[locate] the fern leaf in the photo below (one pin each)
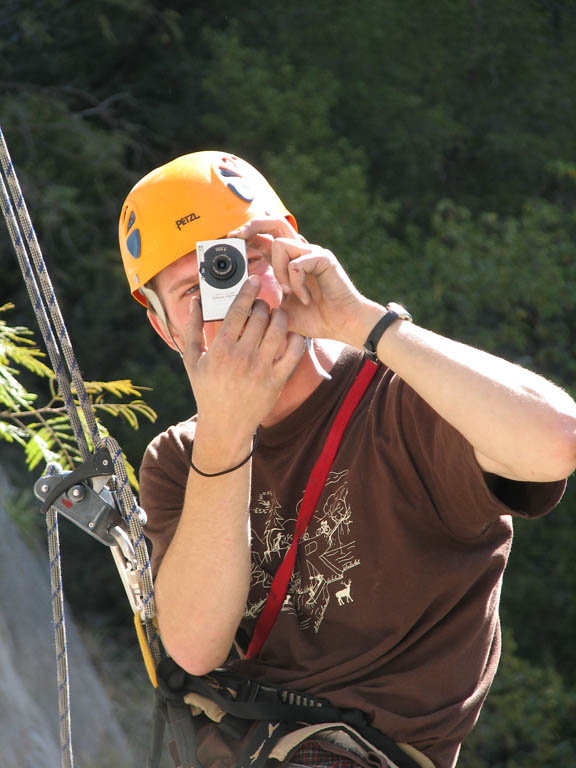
(12, 393)
(119, 409)
(37, 450)
(144, 409)
(11, 433)
(28, 358)
(118, 388)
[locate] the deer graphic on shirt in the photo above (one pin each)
(343, 595)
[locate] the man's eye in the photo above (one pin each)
(191, 290)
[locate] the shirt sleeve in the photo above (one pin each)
(163, 478)
(466, 499)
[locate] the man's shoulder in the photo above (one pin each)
(173, 441)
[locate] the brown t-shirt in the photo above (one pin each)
(393, 603)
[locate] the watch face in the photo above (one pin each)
(402, 313)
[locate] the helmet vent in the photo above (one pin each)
(134, 244)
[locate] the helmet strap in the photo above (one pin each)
(156, 305)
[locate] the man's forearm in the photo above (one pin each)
(203, 582)
(520, 425)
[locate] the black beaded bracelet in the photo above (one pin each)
(225, 471)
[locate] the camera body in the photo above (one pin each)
(222, 271)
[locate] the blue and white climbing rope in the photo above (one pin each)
(87, 435)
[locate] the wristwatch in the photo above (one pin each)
(393, 312)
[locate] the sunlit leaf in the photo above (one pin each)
(46, 431)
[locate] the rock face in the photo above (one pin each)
(29, 719)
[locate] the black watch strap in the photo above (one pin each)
(394, 312)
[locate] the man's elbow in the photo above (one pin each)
(196, 657)
(196, 664)
(562, 452)
(550, 456)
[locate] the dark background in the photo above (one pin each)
(431, 146)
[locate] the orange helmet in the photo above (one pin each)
(201, 196)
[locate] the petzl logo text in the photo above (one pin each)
(186, 220)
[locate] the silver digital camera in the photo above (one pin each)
(222, 271)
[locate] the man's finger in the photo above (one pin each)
(288, 361)
(256, 325)
(193, 332)
(275, 335)
(318, 263)
(283, 251)
(279, 227)
(240, 308)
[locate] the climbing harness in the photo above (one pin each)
(251, 716)
(96, 496)
(255, 721)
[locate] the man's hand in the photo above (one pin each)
(237, 381)
(318, 295)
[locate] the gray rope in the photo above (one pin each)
(58, 617)
(37, 303)
(57, 598)
(58, 344)
(50, 298)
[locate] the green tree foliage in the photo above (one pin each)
(467, 100)
(529, 719)
(502, 282)
(44, 432)
(430, 145)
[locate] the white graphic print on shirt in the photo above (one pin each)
(326, 553)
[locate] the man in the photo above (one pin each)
(392, 605)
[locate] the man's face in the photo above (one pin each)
(178, 282)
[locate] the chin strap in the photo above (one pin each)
(315, 362)
(154, 301)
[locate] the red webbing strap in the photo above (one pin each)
(316, 482)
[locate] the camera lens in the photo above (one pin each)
(223, 265)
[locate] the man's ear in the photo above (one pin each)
(160, 329)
